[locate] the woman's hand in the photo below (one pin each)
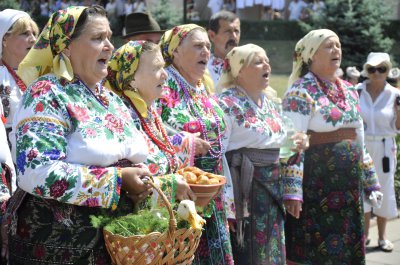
(183, 191)
(301, 141)
(134, 182)
(293, 207)
(201, 146)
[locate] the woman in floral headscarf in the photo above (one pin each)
(187, 106)
(72, 137)
(323, 191)
(255, 132)
(136, 72)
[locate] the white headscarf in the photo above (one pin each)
(7, 19)
(234, 62)
(305, 50)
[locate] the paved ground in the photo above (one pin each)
(377, 257)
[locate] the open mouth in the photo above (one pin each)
(266, 75)
(203, 62)
(103, 61)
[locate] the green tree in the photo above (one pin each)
(359, 25)
(166, 14)
(4, 4)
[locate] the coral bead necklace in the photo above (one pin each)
(155, 130)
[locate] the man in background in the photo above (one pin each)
(224, 34)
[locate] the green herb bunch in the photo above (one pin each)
(141, 223)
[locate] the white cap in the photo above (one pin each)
(352, 72)
(376, 58)
(7, 19)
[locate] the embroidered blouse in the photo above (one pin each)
(180, 115)
(157, 160)
(310, 109)
(248, 126)
(215, 66)
(66, 140)
(10, 95)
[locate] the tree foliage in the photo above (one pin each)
(359, 25)
(166, 14)
(4, 4)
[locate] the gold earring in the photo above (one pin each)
(132, 88)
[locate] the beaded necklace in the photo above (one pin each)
(335, 94)
(153, 129)
(17, 79)
(215, 152)
(99, 93)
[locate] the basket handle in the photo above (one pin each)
(172, 220)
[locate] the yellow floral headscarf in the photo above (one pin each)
(121, 70)
(305, 50)
(234, 62)
(172, 38)
(47, 54)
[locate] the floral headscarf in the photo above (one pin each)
(47, 54)
(173, 38)
(121, 70)
(305, 50)
(234, 62)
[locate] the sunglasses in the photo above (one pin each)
(381, 69)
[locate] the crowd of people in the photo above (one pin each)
(85, 125)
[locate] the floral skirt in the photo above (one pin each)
(50, 232)
(330, 229)
(264, 230)
(215, 245)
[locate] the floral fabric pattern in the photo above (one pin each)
(330, 227)
(310, 109)
(215, 66)
(157, 161)
(215, 247)
(54, 119)
(251, 126)
(265, 227)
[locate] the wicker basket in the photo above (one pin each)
(170, 247)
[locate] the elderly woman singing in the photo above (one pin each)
(71, 136)
(255, 133)
(324, 190)
(187, 106)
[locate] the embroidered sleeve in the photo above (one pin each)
(298, 106)
(43, 126)
(167, 184)
(184, 146)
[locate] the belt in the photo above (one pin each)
(332, 137)
(377, 137)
